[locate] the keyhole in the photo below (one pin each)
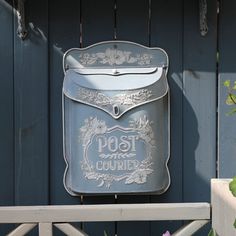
(116, 110)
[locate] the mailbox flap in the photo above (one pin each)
(115, 76)
(115, 94)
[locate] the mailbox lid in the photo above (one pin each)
(116, 94)
(123, 79)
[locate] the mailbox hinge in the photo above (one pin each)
(20, 11)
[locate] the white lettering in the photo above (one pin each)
(117, 165)
(102, 143)
(124, 143)
(132, 138)
(120, 165)
(106, 165)
(99, 165)
(112, 144)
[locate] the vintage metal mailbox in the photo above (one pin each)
(116, 119)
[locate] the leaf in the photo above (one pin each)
(231, 112)
(129, 180)
(105, 233)
(231, 99)
(235, 224)
(227, 83)
(234, 87)
(232, 186)
(212, 233)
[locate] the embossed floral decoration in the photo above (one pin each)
(92, 126)
(115, 57)
(130, 98)
(142, 127)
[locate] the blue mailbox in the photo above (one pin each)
(116, 119)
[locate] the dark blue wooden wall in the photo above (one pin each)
(202, 137)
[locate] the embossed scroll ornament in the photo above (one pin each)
(114, 57)
(121, 157)
(98, 98)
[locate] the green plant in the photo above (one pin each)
(231, 100)
(231, 97)
(105, 233)
(232, 188)
(212, 233)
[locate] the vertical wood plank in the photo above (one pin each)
(31, 108)
(64, 33)
(132, 21)
(6, 96)
(97, 25)
(45, 229)
(166, 32)
(7, 103)
(199, 104)
(227, 71)
(97, 21)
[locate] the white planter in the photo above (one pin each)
(223, 207)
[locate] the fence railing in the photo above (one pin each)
(45, 217)
(223, 206)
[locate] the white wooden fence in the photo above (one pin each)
(48, 216)
(223, 207)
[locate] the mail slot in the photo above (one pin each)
(116, 119)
